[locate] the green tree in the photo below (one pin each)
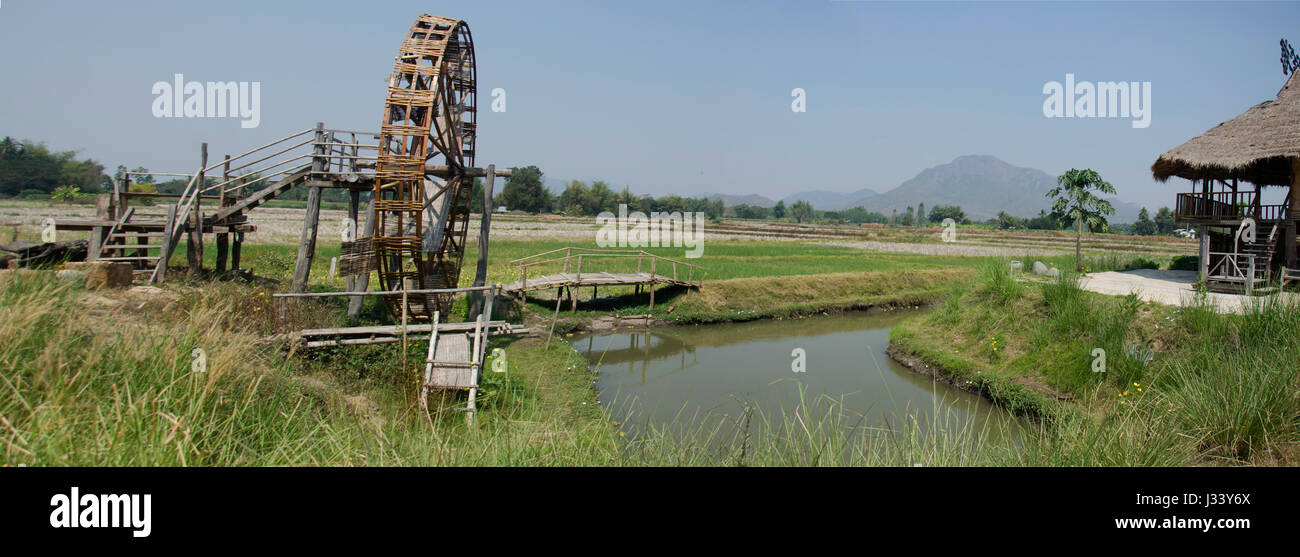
(525, 191)
(715, 209)
(575, 200)
(920, 215)
(1165, 222)
(778, 211)
(1043, 221)
(940, 212)
(1007, 221)
(1144, 226)
(602, 198)
(1074, 201)
(801, 211)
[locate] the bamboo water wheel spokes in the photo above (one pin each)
(429, 119)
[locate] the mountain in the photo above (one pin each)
(982, 186)
(830, 200)
(733, 200)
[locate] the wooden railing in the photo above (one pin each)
(1247, 268)
(1219, 206)
(572, 260)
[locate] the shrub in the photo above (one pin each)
(1184, 263)
(1139, 263)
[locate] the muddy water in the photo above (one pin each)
(672, 375)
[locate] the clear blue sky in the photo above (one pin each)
(663, 96)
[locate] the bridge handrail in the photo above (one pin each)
(522, 265)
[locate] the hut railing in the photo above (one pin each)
(1219, 206)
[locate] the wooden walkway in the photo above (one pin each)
(601, 278)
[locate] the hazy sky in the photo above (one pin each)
(663, 96)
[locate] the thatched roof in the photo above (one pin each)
(1254, 147)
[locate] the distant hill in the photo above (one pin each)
(981, 185)
(733, 200)
(830, 200)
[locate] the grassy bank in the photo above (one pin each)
(1201, 386)
(104, 378)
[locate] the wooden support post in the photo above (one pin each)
(362, 282)
(172, 223)
(653, 260)
(307, 242)
(141, 252)
(194, 247)
(559, 295)
(235, 248)
(103, 211)
(480, 272)
(1203, 255)
(354, 207)
(223, 238)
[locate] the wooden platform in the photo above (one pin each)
(592, 279)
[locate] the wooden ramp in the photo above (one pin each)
(451, 367)
(455, 361)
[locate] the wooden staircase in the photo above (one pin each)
(136, 238)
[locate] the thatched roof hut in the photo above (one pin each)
(1256, 147)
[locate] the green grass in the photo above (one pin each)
(115, 387)
(1218, 388)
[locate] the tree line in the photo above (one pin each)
(525, 190)
(30, 168)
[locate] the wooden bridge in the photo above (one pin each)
(564, 269)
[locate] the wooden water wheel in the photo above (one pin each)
(429, 119)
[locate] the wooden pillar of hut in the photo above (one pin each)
(480, 272)
(1289, 240)
(1203, 254)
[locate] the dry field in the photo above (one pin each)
(284, 226)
